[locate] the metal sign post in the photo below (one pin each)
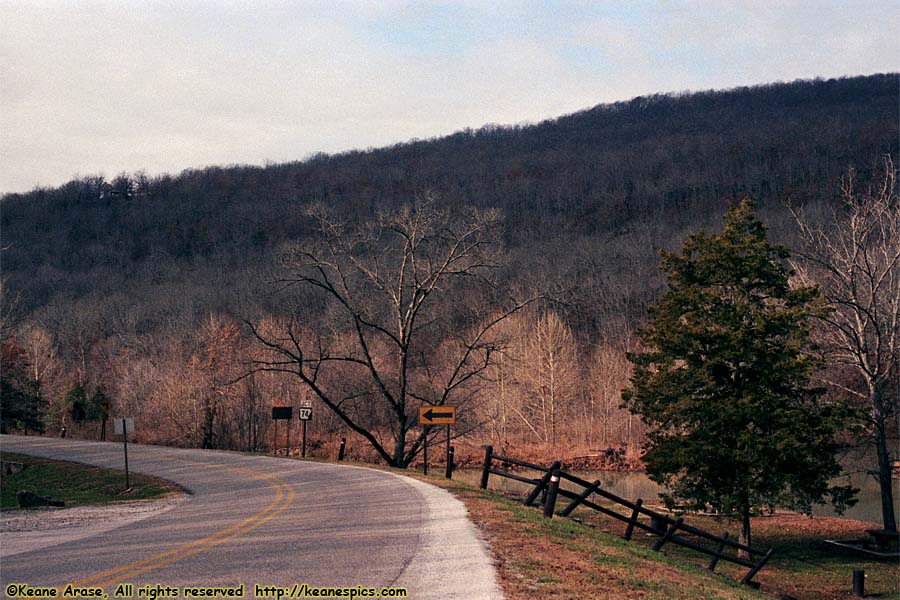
(123, 426)
(281, 413)
(425, 453)
(305, 413)
(449, 469)
(436, 415)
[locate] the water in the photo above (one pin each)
(637, 485)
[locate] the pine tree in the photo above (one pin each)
(725, 380)
(95, 406)
(76, 400)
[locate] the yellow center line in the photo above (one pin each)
(284, 496)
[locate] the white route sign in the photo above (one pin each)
(128, 423)
(305, 413)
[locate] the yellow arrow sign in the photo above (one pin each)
(437, 415)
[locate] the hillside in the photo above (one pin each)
(108, 267)
(603, 181)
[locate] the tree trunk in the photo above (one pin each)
(208, 419)
(398, 460)
(744, 536)
(884, 468)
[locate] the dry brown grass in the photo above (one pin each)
(586, 557)
(562, 558)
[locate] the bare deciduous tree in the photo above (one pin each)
(407, 297)
(548, 376)
(855, 257)
(607, 422)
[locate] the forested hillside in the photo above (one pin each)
(140, 285)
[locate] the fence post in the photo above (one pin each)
(486, 470)
(550, 502)
(634, 517)
(449, 472)
(341, 449)
(671, 531)
(762, 562)
(658, 523)
(541, 485)
(859, 583)
(581, 498)
(715, 559)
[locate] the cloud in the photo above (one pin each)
(108, 87)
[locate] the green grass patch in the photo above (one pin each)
(76, 484)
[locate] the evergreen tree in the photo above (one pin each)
(76, 400)
(724, 380)
(95, 406)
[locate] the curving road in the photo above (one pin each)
(276, 522)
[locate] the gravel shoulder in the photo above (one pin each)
(24, 530)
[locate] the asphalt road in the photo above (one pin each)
(275, 522)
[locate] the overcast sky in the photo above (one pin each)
(100, 88)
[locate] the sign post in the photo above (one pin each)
(305, 415)
(425, 453)
(436, 415)
(123, 426)
(281, 413)
(448, 470)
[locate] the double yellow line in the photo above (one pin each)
(284, 496)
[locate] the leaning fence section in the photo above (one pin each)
(546, 491)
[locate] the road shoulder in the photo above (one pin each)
(35, 529)
(453, 560)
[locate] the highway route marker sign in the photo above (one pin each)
(437, 415)
(305, 415)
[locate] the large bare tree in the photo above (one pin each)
(408, 300)
(854, 255)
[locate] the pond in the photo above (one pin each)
(637, 485)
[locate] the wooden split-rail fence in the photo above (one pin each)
(669, 530)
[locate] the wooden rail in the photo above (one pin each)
(670, 530)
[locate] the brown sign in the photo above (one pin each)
(437, 415)
(280, 413)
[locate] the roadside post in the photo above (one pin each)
(436, 415)
(305, 416)
(859, 583)
(425, 452)
(448, 473)
(342, 448)
(123, 426)
(550, 502)
(281, 413)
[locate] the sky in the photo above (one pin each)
(90, 88)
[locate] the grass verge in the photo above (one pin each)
(587, 558)
(77, 484)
